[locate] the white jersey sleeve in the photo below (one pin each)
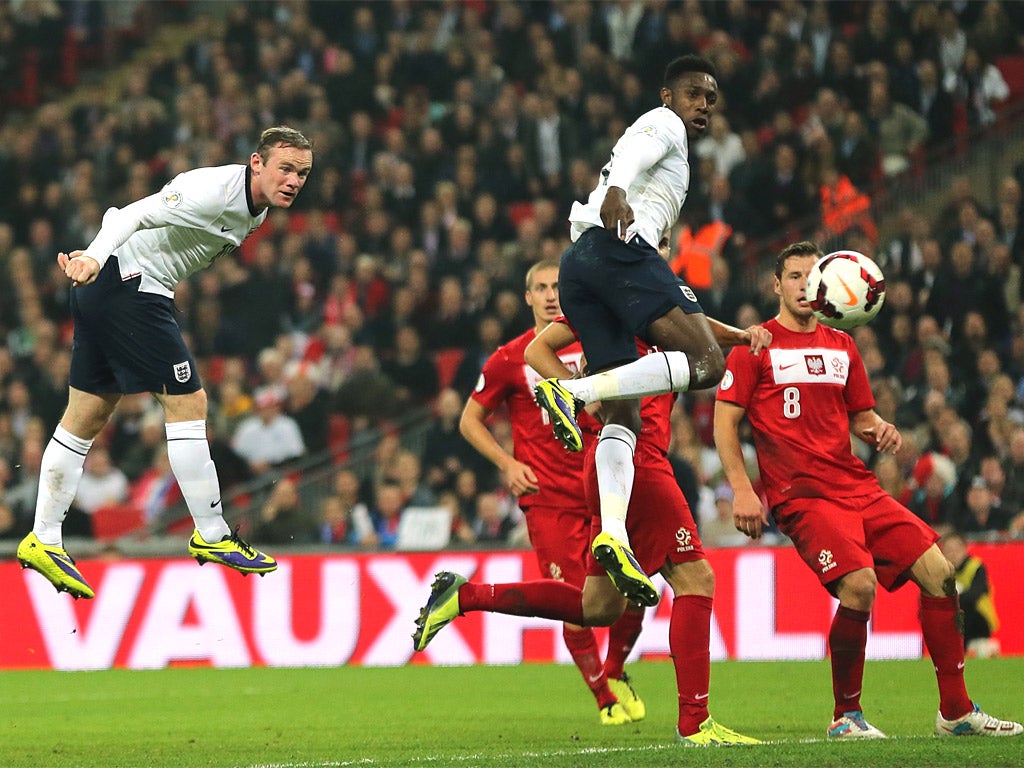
(197, 217)
(650, 162)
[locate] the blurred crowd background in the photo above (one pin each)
(339, 343)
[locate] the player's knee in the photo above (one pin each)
(602, 608)
(625, 413)
(694, 578)
(857, 589)
(708, 369)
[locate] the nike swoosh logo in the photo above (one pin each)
(701, 696)
(851, 297)
(784, 367)
(228, 229)
(960, 665)
(851, 695)
(214, 503)
(595, 678)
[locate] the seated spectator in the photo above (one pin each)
(982, 87)
(101, 484)
(156, 489)
(445, 452)
(935, 104)
(723, 145)
(283, 518)
(494, 521)
(1013, 470)
(719, 530)
(346, 519)
(412, 373)
(934, 480)
(268, 438)
(899, 130)
(309, 405)
(367, 395)
(450, 325)
(981, 512)
(389, 503)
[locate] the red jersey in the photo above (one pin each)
(656, 418)
(655, 412)
(507, 378)
(798, 395)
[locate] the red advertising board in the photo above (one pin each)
(359, 609)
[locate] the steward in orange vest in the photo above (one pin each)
(694, 253)
(843, 207)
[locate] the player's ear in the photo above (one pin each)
(255, 161)
(666, 97)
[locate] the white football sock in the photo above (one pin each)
(59, 473)
(653, 374)
(189, 455)
(613, 460)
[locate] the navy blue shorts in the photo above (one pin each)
(127, 341)
(611, 291)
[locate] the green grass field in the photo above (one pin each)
(501, 717)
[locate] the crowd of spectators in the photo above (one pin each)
(450, 139)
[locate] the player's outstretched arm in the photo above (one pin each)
(518, 477)
(756, 336)
(875, 431)
(749, 516)
(542, 353)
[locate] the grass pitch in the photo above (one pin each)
(491, 717)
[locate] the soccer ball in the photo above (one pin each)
(845, 289)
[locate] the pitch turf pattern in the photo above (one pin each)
(469, 717)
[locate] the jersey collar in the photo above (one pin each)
(248, 192)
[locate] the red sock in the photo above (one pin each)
(689, 641)
(583, 646)
(846, 642)
(547, 599)
(945, 644)
(622, 637)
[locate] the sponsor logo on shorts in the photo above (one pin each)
(688, 293)
(182, 372)
(826, 561)
(684, 541)
(172, 199)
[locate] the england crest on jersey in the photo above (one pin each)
(182, 372)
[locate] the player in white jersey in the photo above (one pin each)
(616, 286)
(127, 341)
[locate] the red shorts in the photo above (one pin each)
(561, 540)
(659, 522)
(837, 536)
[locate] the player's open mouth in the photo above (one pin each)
(700, 122)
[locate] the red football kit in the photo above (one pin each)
(556, 515)
(659, 521)
(798, 396)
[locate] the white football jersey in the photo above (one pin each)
(650, 161)
(197, 217)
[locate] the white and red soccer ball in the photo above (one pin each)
(845, 289)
